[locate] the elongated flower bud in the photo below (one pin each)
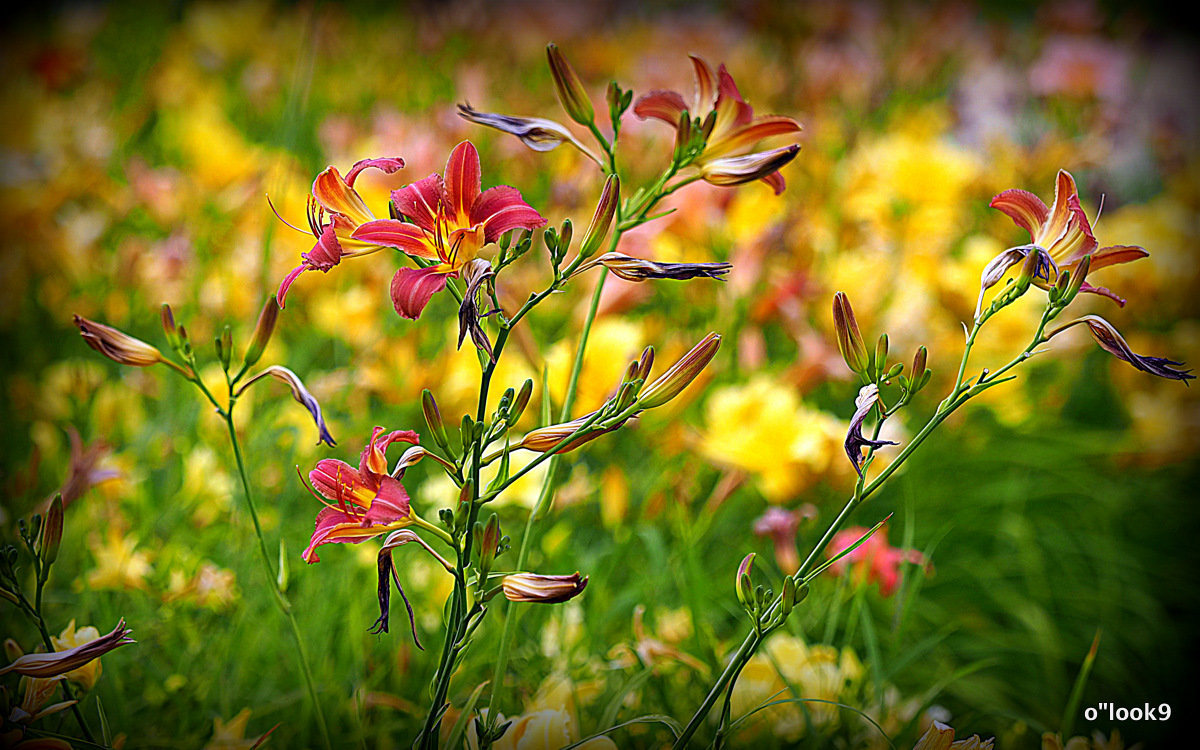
(60, 662)
(1111, 341)
(117, 346)
(1076, 283)
(672, 382)
(169, 327)
(433, 418)
(542, 589)
(489, 541)
(53, 530)
(262, 332)
(881, 352)
(535, 132)
(545, 438)
(571, 94)
(850, 341)
(300, 394)
(788, 599)
(630, 268)
(606, 209)
(521, 401)
(738, 170)
(224, 344)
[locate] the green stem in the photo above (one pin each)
(269, 570)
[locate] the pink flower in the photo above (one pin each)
(335, 210)
(448, 220)
(369, 500)
(732, 129)
(874, 560)
(1064, 231)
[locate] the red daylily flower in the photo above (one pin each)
(369, 500)
(874, 560)
(335, 210)
(448, 220)
(735, 129)
(1064, 231)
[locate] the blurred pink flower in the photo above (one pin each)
(780, 525)
(874, 560)
(1081, 66)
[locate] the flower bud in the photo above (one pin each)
(672, 382)
(606, 209)
(1077, 280)
(742, 583)
(60, 662)
(542, 589)
(881, 352)
(571, 95)
(224, 344)
(117, 346)
(919, 363)
(850, 341)
(537, 133)
(52, 531)
(169, 328)
(489, 542)
(262, 332)
(433, 418)
(565, 236)
(788, 599)
(738, 170)
(544, 439)
(521, 401)
(684, 133)
(634, 269)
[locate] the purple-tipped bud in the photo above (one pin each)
(262, 332)
(489, 542)
(521, 401)
(571, 94)
(60, 662)
(1077, 279)
(169, 327)
(742, 583)
(541, 589)
(672, 382)
(606, 209)
(433, 418)
(117, 346)
(738, 170)
(850, 341)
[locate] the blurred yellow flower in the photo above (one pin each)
(815, 672)
(613, 344)
(118, 563)
(86, 675)
(764, 428)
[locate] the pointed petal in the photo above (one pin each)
(1024, 208)
(706, 86)
(386, 164)
(463, 179)
(1114, 254)
(286, 284)
(745, 136)
(421, 201)
(1076, 239)
(327, 252)
(412, 288)
(300, 394)
(661, 105)
(1103, 292)
(500, 209)
(1059, 221)
(332, 192)
(373, 460)
(732, 109)
(335, 525)
(398, 234)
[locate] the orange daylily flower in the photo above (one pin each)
(449, 219)
(335, 210)
(734, 128)
(1064, 231)
(370, 502)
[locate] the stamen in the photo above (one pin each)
(280, 217)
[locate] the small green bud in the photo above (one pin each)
(433, 419)
(53, 530)
(743, 585)
(789, 596)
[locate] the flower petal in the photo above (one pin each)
(286, 284)
(421, 201)
(332, 192)
(502, 208)
(373, 461)
(386, 164)
(747, 135)
(463, 179)
(706, 86)
(398, 234)
(342, 483)
(661, 105)
(391, 505)
(1114, 254)
(776, 182)
(1024, 208)
(412, 288)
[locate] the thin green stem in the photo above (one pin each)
(272, 581)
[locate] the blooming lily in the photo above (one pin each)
(369, 500)
(1063, 231)
(449, 221)
(335, 210)
(730, 125)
